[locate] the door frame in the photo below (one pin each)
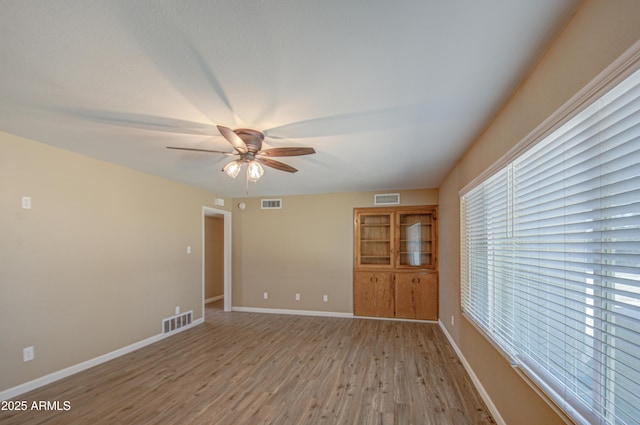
(226, 217)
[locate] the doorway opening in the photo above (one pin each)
(211, 261)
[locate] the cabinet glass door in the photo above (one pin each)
(416, 244)
(375, 239)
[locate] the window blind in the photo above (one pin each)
(550, 268)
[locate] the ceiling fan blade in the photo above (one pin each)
(277, 165)
(199, 150)
(233, 138)
(287, 151)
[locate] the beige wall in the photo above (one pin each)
(306, 247)
(96, 264)
(214, 257)
(600, 32)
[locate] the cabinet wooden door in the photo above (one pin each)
(416, 296)
(373, 294)
(416, 239)
(374, 236)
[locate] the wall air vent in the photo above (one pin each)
(173, 323)
(386, 199)
(271, 204)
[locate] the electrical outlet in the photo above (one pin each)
(265, 296)
(453, 322)
(325, 298)
(28, 354)
(177, 309)
(297, 297)
(189, 250)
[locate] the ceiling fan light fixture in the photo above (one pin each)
(247, 144)
(254, 171)
(233, 168)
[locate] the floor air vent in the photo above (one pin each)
(386, 199)
(174, 323)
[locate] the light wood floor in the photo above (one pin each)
(244, 369)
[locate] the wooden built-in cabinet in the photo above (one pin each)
(395, 262)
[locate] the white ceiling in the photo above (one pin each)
(390, 94)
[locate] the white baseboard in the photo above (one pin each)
(483, 393)
(397, 319)
(71, 370)
(323, 314)
(212, 299)
(292, 312)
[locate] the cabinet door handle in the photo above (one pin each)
(374, 279)
(416, 280)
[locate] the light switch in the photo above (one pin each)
(189, 250)
(26, 202)
(28, 354)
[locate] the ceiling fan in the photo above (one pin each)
(248, 145)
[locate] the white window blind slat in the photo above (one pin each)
(551, 260)
(545, 168)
